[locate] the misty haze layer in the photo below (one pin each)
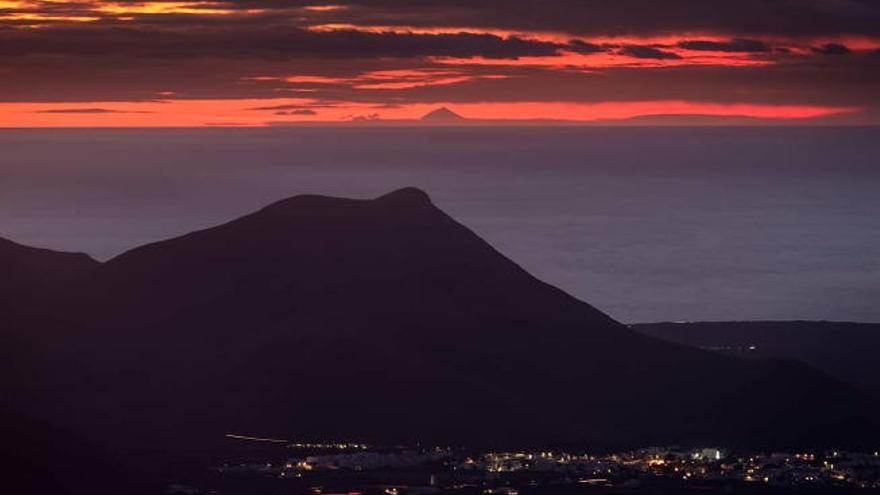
(645, 223)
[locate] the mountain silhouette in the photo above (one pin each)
(31, 282)
(385, 320)
(29, 271)
(841, 349)
(442, 114)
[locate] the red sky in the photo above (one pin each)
(263, 62)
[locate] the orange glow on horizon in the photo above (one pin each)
(94, 10)
(43, 18)
(324, 8)
(206, 8)
(241, 112)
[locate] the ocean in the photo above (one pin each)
(647, 224)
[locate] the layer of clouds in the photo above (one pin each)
(841, 81)
(777, 17)
(832, 49)
(261, 42)
(643, 51)
(248, 53)
(733, 46)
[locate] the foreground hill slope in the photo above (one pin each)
(38, 458)
(31, 281)
(385, 320)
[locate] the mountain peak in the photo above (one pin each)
(409, 195)
(442, 114)
(387, 306)
(312, 203)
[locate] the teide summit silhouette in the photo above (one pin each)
(442, 114)
(385, 320)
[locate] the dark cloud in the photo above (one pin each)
(260, 42)
(306, 110)
(743, 17)
(302, 111)
(832, 49)
(735, 45)
(364, 118)
(581, 46)
(228, 124)
(87, 110)
(644, 51)
(584, 17)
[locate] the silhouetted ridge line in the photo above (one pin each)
(407, 195)
(13, 251)
(28, 274)
(388, 321)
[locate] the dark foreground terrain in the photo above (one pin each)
(847, 351)
(384, 321)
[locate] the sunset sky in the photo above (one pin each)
(269, 62)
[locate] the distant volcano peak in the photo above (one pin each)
(442, 114)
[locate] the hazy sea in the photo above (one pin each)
(647, 224)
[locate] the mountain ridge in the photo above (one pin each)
(841, 349)
(386, 320)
